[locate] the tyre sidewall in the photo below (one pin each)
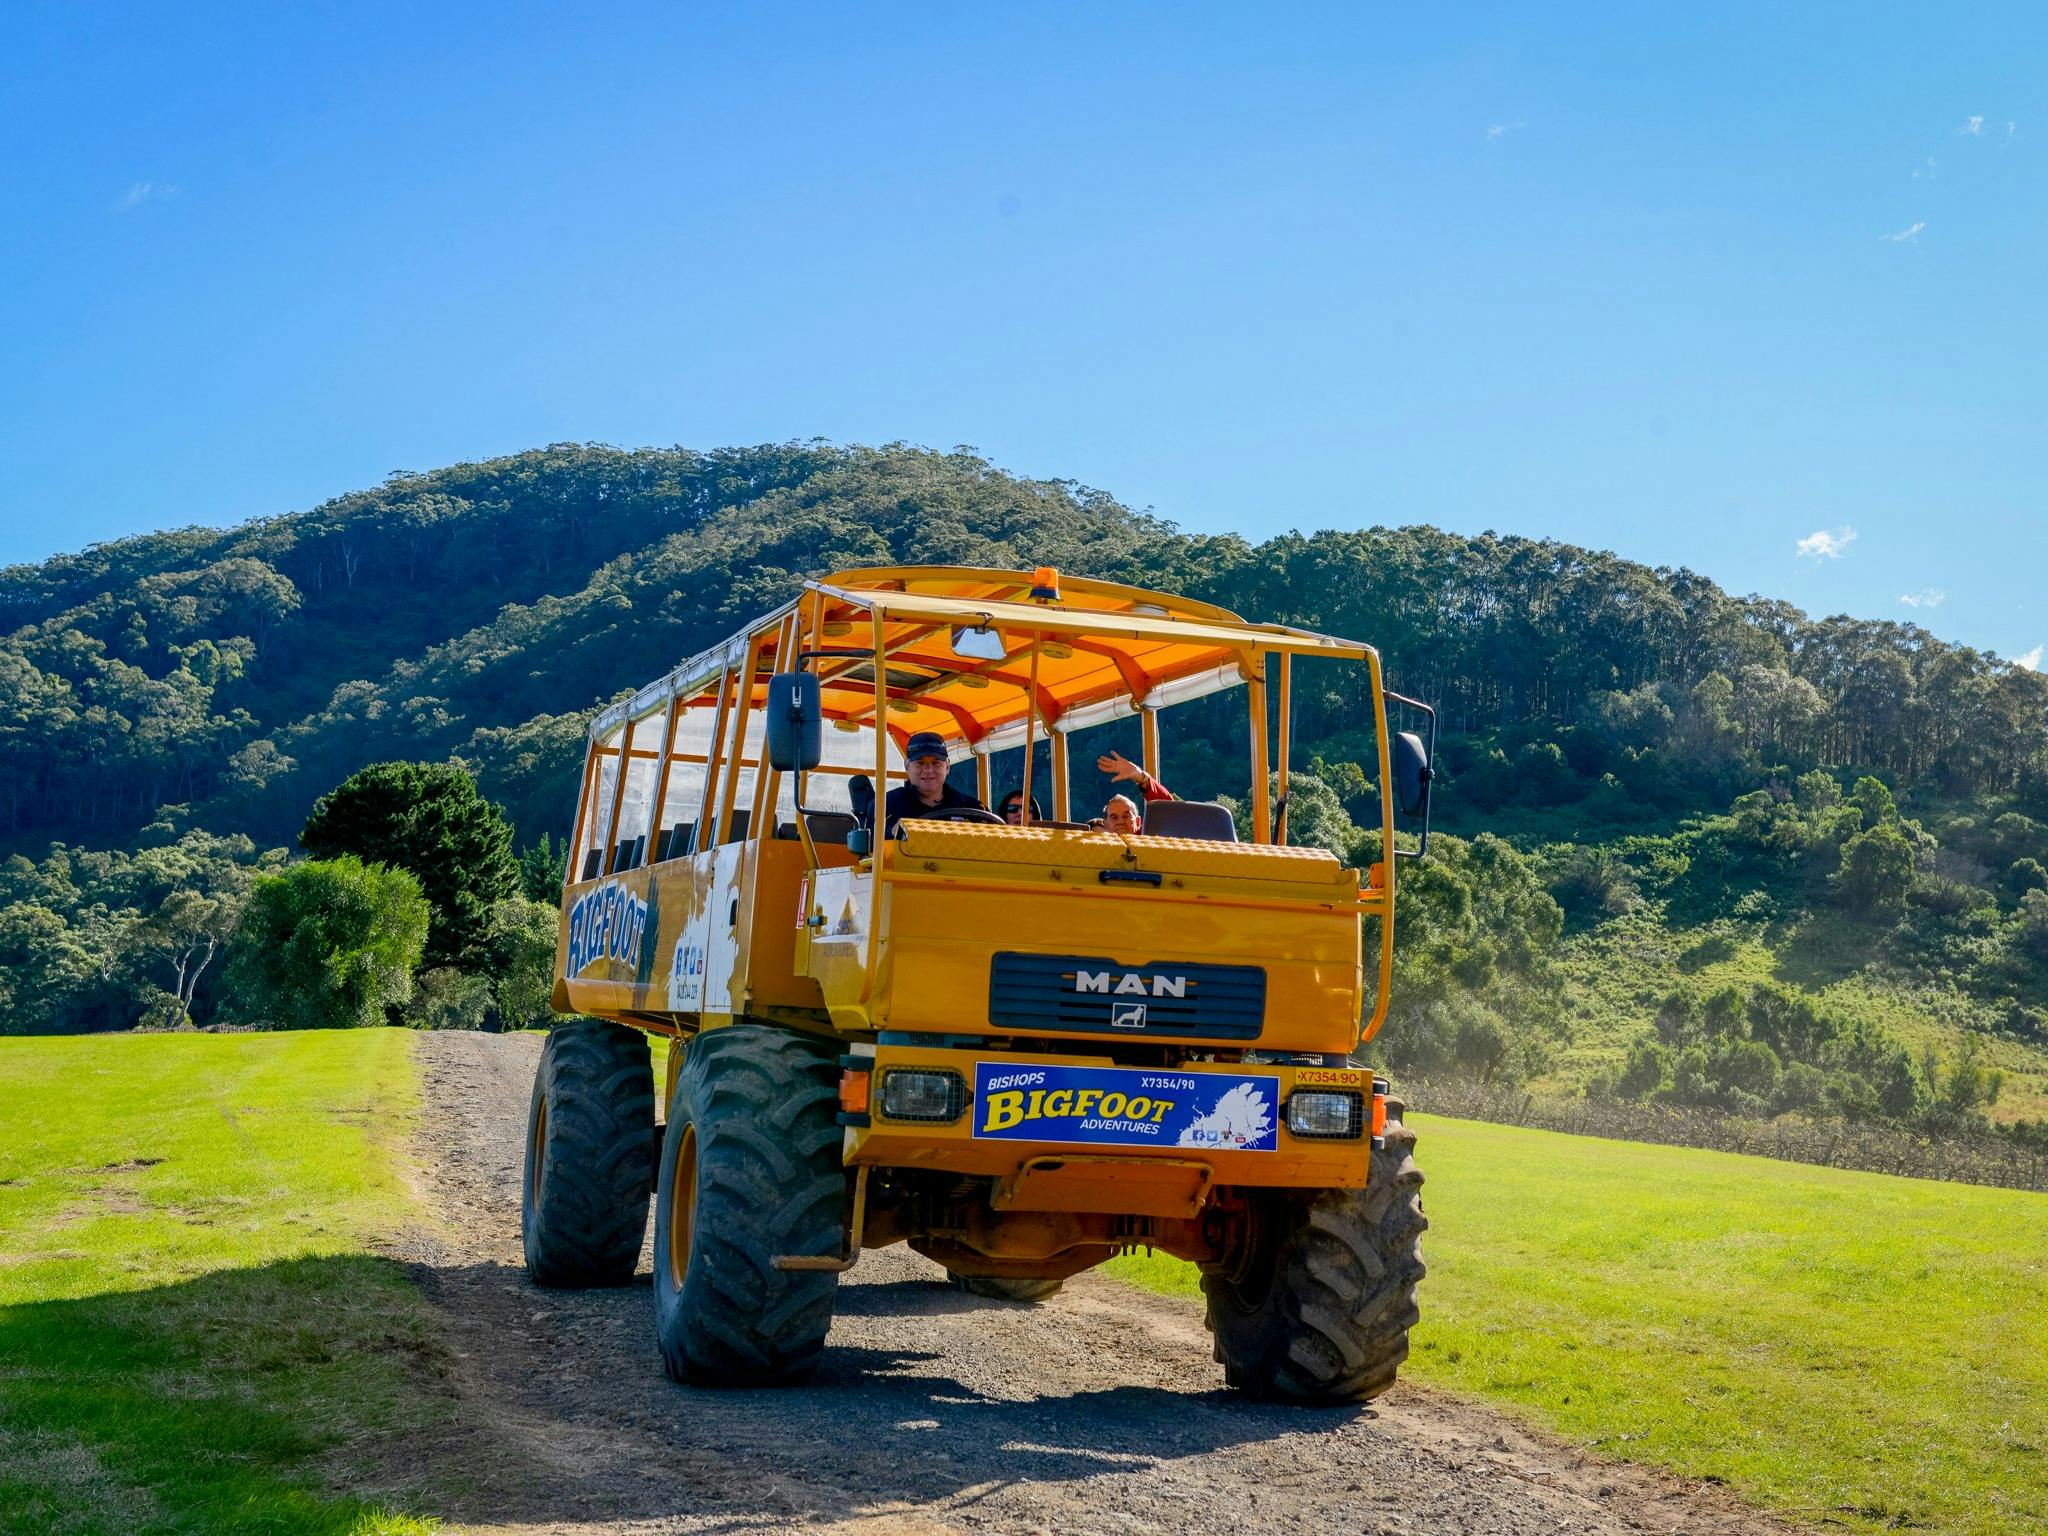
(536, 1153)
(1321, 1304)
(703, 1335)
(670, 1316)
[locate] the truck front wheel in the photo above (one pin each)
(1315, 1302)
(750, 1170)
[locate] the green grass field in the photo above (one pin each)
(1846, 1348)
(190, 1324)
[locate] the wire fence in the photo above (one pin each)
(1827, 1143)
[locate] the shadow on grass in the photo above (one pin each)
(207, 1404)
(253, 1400)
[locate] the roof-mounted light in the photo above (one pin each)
(1045, 585)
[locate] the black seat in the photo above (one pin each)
(591, 861)
(677, 842)
(860, 794)
(1203, 820)
(737, 832)
(830, 826)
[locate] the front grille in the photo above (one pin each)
(1088, 994)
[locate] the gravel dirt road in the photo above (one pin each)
(1099, 1411)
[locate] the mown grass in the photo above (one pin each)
(189, 1322)
(1847, 1348)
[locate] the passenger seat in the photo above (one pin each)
(1199, 820)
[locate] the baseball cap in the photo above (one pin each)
(924, 744)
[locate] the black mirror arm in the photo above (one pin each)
(1428, 774)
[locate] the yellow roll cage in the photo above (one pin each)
(1075, 652)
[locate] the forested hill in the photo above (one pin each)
(1684, 815)
(482, 609)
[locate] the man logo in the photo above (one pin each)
(1130, 984)
(1127, 1016)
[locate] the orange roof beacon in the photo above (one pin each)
(896, 1017)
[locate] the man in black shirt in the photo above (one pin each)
(924, 762)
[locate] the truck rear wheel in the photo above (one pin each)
(750, 1170)
(1317, 1304)
(589, 1155)
(1003, 1288)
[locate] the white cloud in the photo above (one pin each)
(1501, 130)
(2011, 128)
(1926, 597)
(1925, 170)
(146, 192)
(1907, 235)
(1826, 543)
(2031, 660)
(1974, 127)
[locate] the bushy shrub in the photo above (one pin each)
(521, 942)
(2022, 876)
(2031, 931)
(1877, 870)
(445, 998)
(1475, 985)
(327, 944)
(1647, 1069)
(1593, 883)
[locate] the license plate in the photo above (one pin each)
(1127, 1107)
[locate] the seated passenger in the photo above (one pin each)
(1011, 808)
(1121, 817)
(925, 764)
(1122, 769)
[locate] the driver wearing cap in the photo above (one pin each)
(927, 793)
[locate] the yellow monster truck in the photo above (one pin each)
(1020, 1048)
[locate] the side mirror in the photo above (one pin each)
(1412, 774)
(796, 722)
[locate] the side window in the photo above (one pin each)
(643, 759)
(746, 763)
(690, 751)
(597, 817)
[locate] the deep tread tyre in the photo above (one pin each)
(1319, 1309)
(589, 1155)
(1002, 1288)
(750, 1169)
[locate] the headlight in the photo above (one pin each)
(1318, 1114)
(931, 1096)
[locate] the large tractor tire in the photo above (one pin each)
(1002, 1288)
(750, 1170)
(589, 1155)
(1317, 1303)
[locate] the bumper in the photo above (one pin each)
(1074, 1133)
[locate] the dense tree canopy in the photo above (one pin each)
(484, 609)
(428, 819)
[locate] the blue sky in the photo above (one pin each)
(1695, 286)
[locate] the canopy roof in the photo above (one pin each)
(1099, 651)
